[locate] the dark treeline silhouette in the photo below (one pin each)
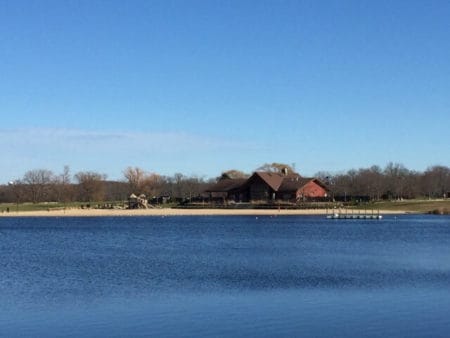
(42, 185)
(393, 182)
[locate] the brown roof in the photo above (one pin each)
(293, 184)
(273, 180)
(226, 184)
(276, 180)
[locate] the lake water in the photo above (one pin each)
(225, 277)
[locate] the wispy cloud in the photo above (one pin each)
(112, 151)
(73, 139)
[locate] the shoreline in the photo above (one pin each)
(179, 212)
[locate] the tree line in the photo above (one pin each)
(42, 185)
(394, 181)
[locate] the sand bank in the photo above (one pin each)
(172, 212)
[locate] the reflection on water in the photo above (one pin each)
(225, 276)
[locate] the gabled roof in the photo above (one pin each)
(290, 185)
(276, 180)
(293, 183)
(273, 180)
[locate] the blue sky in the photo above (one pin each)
(199, 87)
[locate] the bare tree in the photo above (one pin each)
(276, 167)
(152, 185)
(396, 174)
(370, 182)
(18, 192)
(63, 187)
(234, 174)
(135, 178)
(177, 185)
(436, 181)
(376, 180)
(116, 191)
(38, 182)
(91, 186)
(184, 187)
(193, 186)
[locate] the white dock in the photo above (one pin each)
(346, 215)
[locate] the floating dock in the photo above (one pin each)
(346, 215)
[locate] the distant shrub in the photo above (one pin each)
(440, 211)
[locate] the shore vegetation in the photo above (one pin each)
(393, 187)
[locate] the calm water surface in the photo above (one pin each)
(225, 276)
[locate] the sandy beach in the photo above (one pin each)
(172, 212)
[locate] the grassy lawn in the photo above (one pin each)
(420, 206)
(417, 206)
(45, 206)
(35, 207)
